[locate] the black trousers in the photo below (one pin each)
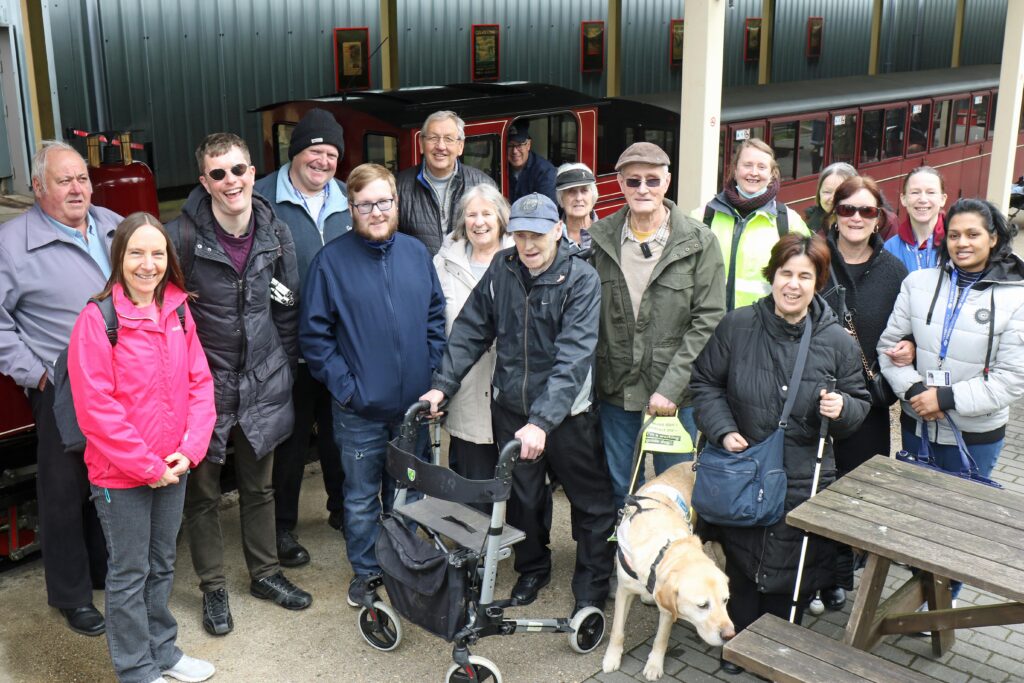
(871, 439)
(312, 405)
(746, 603)
(473, 461)
(571, 456)
(74, 550)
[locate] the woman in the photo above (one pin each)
(738, 386)
(576, 190)
(919, 235)
(830, 178)
(464, 257)
(146, 409)
(745, 219)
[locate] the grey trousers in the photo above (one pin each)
(256, 508)
(141, 527)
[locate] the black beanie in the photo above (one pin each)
(317, 127)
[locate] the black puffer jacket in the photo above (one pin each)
(418, 212)
(737, 386)
(546, 338)
(250, 341)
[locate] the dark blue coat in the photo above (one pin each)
(538, 175)
(371, 326)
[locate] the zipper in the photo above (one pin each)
(394, 321)
(760, 560)
(526, 355)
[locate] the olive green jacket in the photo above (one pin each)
(682, 305)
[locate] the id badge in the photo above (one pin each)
(937, 378)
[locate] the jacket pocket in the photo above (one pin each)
(273, 380)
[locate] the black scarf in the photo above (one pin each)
(743, 205)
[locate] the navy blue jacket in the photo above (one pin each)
(370, 327)
(538, 175)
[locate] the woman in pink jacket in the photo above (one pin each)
(145, 406)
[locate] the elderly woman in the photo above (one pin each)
(748, 221)
(576, 189)
(739, 386)
(830, 178)
(465, 254)
(919, 235)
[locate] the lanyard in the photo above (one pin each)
(928, 251)
(952, 313)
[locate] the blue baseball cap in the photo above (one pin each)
(534, 212)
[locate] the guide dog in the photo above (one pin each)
(659, 556)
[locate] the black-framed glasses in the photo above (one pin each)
(383, 205)
(219, 174)
(649, 182)
(847, 211)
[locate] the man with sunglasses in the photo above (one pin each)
(240, 261)
(431, 190)
(662, 295)
(528, 171)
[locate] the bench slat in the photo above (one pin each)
(1002, 498)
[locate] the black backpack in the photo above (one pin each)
(63, 402)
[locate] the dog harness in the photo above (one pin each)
(622, 533)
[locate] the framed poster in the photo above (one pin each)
(815, 27)
(675, 43)
(352, 58)
(591, 46)
(752, 40)
(484, 52)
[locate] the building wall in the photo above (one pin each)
(917, 34)
(983, 32)
(845, 42)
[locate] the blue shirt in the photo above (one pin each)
(95, 246)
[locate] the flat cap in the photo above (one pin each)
(643, 153)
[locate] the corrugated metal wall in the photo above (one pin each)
(983, 32)
(917, 34)
(72, 64)
(645, 46)
(845, 44)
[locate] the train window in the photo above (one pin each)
(940, 124)
(992, 126)
(483, 152)
(784, 137)
(979, 118)
(811, 147)
(871, 136)
(895, 128)
(282, 139)
(844, 138)
(920, 118)
(554, 137)
(961, 121)
(381, 149)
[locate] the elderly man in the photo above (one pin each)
(313, 204)
(528, 172)
(372, 330)
(431, 191)
(52, 259)
(240, 260)
(540, 303)
(663, 293)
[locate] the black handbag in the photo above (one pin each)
(749, 488)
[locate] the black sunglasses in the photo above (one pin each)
(635, 182)
(847, 211)
(236, 170)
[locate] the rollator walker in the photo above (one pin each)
(444, 582)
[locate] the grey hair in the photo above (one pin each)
(40, 157)
(839, 168)
(443, 115)
(582, 167)
(489, 193)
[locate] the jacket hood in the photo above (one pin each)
(822, 316)
(200, 204)
(173, 297)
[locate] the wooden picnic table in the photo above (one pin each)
(948, 527)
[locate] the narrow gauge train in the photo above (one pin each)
(884, 125)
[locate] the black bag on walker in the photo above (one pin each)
(422, 586)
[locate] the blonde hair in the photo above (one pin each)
(761, 146)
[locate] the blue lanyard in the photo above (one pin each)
(928, 251)
(952, 313)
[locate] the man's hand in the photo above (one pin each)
(926, 404)
(435, 397)
(903, 353)
(734, 442)
(659, 405)
(532, 438)
(178, 463)
(830, 404)
(167, 479)
(42, 382)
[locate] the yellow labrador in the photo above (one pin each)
(659, 556)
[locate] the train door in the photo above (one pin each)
(799, 144)
(883, 143)
(555, 136)
(944, 153)
(978, 149)
(842, 137)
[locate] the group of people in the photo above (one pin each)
(297, 300)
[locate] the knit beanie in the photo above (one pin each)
(317, 127)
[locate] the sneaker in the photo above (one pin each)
(190, 670)
(216, 613)
(357, 590)
(816, 606)
(834, 598)
(283, 592)
(289, 552)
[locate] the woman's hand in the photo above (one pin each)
(830, 405)
(926, 405)
(734, 442)
(178, 462)
(902, 354)
(169, 478)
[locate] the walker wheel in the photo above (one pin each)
(381, 626)
(587, 630)
(480, 669)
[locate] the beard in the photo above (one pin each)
(376, 232)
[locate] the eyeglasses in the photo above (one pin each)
(219, 174)
(518, 145)
(434, 140)
(847, 211)
(649, 182)
(383, 205)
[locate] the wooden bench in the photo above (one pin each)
(783, 652)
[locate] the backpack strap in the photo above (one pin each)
(180, 310)
(106, 307)
(781, 218)
(709, 215)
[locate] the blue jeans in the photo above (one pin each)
(141, 526)
(368, 489)
(620, 428)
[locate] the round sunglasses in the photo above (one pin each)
(219, 174)
(847, 211)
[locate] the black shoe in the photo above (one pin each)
(526, 588)
(834, 598)
(278, 588)
(359, 586)
(216, 613)
(289, 552)
(336, 519)
(583, 604)
(85, 620)
(729, 667)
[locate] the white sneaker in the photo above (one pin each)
(160, 680)
(190, 670)
(816, 606)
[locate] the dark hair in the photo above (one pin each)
(852, 186)
(924, 169)
(994, 220)
(124, 232)
(813, 247)
(218, 144)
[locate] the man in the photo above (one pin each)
(372, 330)
(313, 204)
(52, 259)
(662, 295)
(431, 191)
(540, 303)
(527, 171)
(240, 260)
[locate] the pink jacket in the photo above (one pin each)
(147, 397)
